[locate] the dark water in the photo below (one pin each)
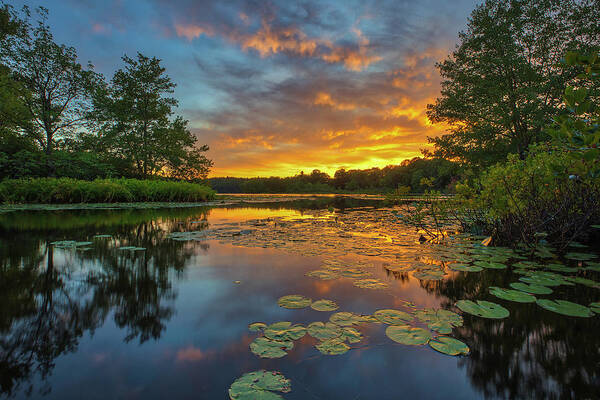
(171, 321)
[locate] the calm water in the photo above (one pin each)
(172, 321)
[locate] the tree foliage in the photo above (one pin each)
(136, 114)
(503, 83)
(53, 87)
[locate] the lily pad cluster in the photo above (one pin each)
(259, 385)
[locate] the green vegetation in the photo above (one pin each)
(66, 190)
(61, 119)
(413, 175)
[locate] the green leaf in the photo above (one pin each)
(485, 309)
(393, 317)
(448, 345)
(333, 347)
(256, 327)
(406, 334)
(511, 295)
(324, 305)
(370, 284)
(324, 331)
(294, 301)
(269, 348)
(284, 331)
(533, 288)
(259, 385)
(565, 307)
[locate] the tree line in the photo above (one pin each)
(414, 175)
(61, 118)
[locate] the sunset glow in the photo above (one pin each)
(275, 88)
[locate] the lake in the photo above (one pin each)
(181, 302)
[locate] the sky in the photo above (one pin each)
(277, 87)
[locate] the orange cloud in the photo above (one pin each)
(353, 60)
(324, 99)
(191, 32)
(268, 41)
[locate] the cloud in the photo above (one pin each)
(191, 32)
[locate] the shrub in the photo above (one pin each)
(67, 190)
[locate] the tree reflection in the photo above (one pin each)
(50, 298)
(531, 354)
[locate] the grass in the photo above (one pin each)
(67, 190)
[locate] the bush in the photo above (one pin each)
(547, 195)
(67, 190)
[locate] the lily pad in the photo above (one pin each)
(565, 307)
(353, 273)
(351, 335)
(284, 331)
(441, 321)
(269, 348)
(102, 236)
(259, 385)
(346, 318)
(429, 275)
(294, 301)
(323, 274)
(580, 256)
(257, 327)
(490, 265)
(512, 295)
(393, 317)
(485, 309)
(450, 346)
(324, 305)
(531, 288)
(465, 268)
(333, 347)
(370, 284)
(406, 334)
(583, 281)
(324, 330)
(595, 307)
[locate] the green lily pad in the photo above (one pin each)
(490, 265)
(102, 236)
(393, 317)
(561, 268)
(595, 307)
(346, 318)
(429, 275)
(441, 321)
(353, 273)
(294, 301)
(512, 295)
(259, 385)
(531, 288)
(583, 281)
(324, 330)
(257, 327)
(565, 307)
(370, 284)
(543, 280)
(465, 268)
(269, 348)
(485, 309)
(324, 305)
(132, 248)
(406, 334)
(351, 335)
(580, 256)
(333, 347)
(323, 274)
(448, 345)
(284, 331)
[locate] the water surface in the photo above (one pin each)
(171, 321)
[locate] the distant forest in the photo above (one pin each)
(414, 176)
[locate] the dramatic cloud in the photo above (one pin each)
(275, 87)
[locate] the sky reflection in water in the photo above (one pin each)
(171, 322)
